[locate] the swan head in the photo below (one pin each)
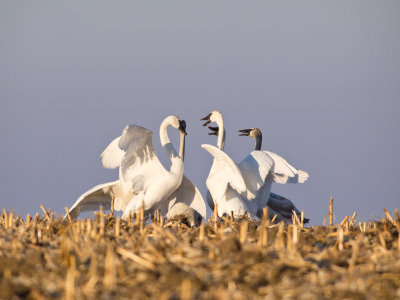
(175, 122)
(182, 126)
(252, 132)
(214, 116)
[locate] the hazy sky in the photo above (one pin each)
(320, 79)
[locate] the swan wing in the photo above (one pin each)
(284, 172)
(112, 156)
(140, 166)
(255, 169)
(223, 172)
(91, 200)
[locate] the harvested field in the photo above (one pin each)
(105, 258)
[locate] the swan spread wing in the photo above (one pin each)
(112, 156)
(284, 172)
(140, 165)
(98, 196)
(255, 168)
(227, 173)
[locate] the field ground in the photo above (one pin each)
(45, 257)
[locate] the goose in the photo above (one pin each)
(141, 173)
(282, 172)
(234, 187)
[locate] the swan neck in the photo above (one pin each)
(165, 141)
(221, 134)
(258, 142)
(182, 146)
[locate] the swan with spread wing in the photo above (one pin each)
(142, 177)
(282, 172)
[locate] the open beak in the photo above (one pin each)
(244, 132)
(207, 119)
(182, 126)
(214, 130)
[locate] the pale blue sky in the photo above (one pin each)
(320, 79)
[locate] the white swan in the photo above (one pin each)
(234, 187)
(282, 172)
(142, 174)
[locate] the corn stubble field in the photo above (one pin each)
(105, 257)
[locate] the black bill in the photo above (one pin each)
(244, 132)
(206, 118)
(182, 126)
(214, 130)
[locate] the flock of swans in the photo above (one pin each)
(144, 182)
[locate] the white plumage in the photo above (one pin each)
(226, 173)
(187, 202)
(96, 196)
(225, 183)
(255, 168)
(112, 156)
(283, 172)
